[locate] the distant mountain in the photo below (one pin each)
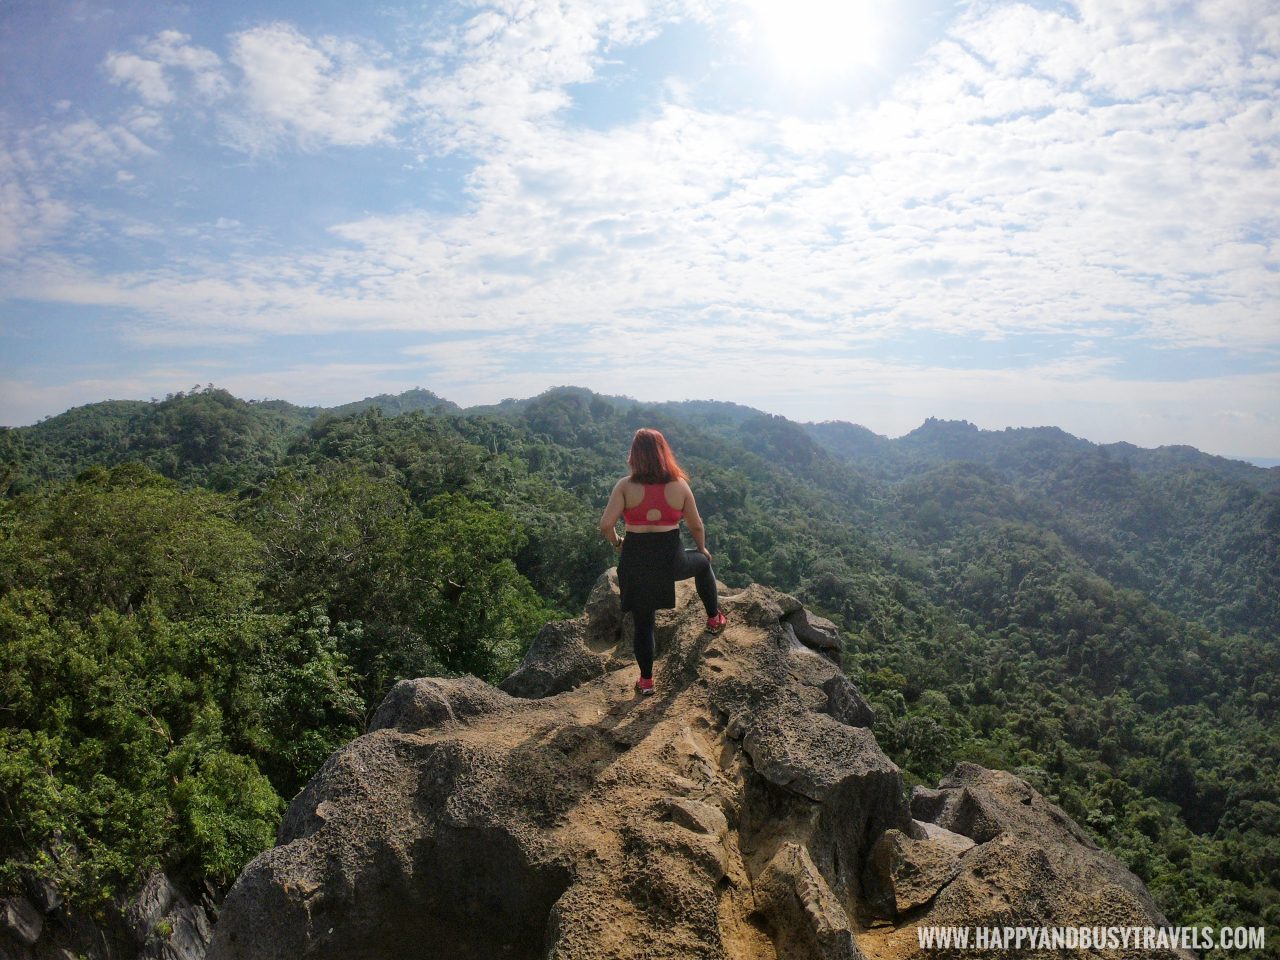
(97, 432)
(852, 442)
(1169, 458)
(206, 434)
(1018, 451)
(416, 399)
(1153, 520)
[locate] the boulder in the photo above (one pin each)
(44, 893)
(435, 702)
(559, 659)
(604, 608)
(149, 905)
(982, 804)
(183, 934)
(403, 839)
(568, 653)
(846, 703)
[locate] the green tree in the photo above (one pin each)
(475, 609)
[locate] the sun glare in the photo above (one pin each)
(819, 39)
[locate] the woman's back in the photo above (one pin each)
(653, 504)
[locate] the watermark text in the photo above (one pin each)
(1092, 938)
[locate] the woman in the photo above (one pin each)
(653, 500)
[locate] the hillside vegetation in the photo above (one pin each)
(200, 598)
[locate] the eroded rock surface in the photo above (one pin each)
(745, 811)
(157, 922)
(987, 850)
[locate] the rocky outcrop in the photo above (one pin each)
(20, 919)
(745, 811)
(995, 853)
(159, 922)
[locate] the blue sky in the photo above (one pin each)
(1012, 213)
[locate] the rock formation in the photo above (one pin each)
(743, 812)
(158, 922)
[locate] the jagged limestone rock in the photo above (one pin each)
(735, 814)
(181, 933)
(158, 922)
(434, 702)
(699, 817)
(604, 607)
(913, 871)
(846, 703)
(44, 893)
(981, 804)
(804, 913)
(1030, 865)
(20, 919)
(816, 633)
(150, 905)
(559, 659)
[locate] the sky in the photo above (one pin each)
(1019, 214)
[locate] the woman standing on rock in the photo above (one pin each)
(653, 499)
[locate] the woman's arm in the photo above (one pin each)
(693, 520)
(612, 513)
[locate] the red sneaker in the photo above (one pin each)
(645, 687)
(716, 624)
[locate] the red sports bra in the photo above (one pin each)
(654, 499)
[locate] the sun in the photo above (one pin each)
(815, 40)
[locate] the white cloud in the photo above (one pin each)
(174, 49)
(485, 79)
(85, 144)
(326, 91)
(279, 86)
(495, 76)
(910, 215)
(150, 70)
(29, 213)
(39, 165)
(146, 77)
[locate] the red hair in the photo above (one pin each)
(652, 460)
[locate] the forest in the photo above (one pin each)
(202, 597)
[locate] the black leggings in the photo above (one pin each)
(691, 563)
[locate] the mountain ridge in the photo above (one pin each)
(932, 435)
